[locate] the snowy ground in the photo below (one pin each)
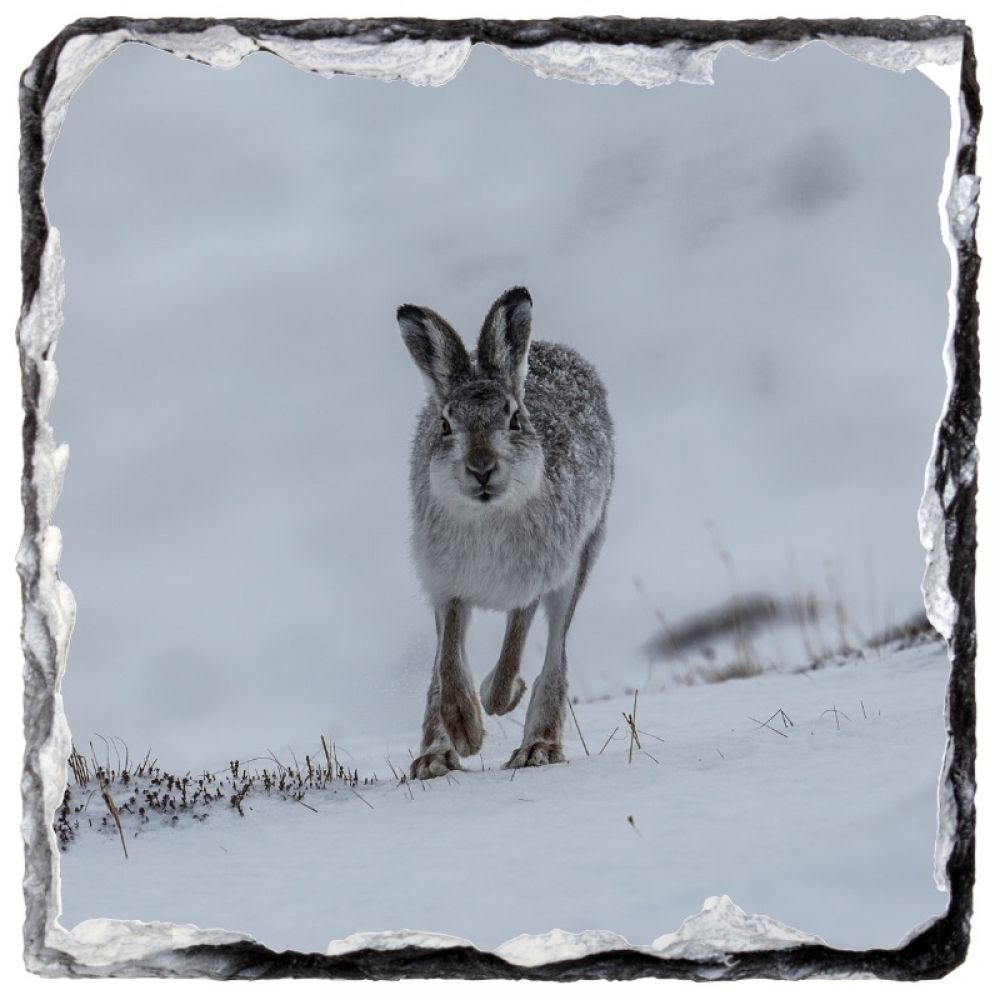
(827, 825)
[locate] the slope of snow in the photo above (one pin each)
(825, 823)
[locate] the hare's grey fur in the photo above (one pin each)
(510, 475)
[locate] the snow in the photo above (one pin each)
(827, 825)
(713, 932)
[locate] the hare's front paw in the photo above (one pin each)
(434, 764)
(500, 702)
(536, 754)
(463, 721)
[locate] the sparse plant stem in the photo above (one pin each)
(113, 809)
(579, 731)
(329, 761)
(837, 713)
(767, 725)
(78, 765)
(607, 741)
(633, 732)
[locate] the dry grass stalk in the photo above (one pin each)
(782, 715)
(281, 768)
(78, 765)
(363, 799)
(766, 725)
(837, 713)
(607, 741)
(633, 732)
(329, 759)
(579, 732)
(113, 809)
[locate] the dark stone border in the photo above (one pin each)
(942, 946)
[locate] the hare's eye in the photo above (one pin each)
(515, 423)
(445, 427)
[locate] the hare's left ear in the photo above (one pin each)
(503, 344)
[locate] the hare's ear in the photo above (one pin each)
(503, 345)
(436, 348)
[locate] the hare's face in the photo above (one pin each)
(486, 454)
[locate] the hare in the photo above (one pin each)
(510, 474)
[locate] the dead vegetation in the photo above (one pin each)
(124, 798)
(720, 643)
(913, 632)
(724, 642)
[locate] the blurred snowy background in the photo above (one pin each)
(755, 267)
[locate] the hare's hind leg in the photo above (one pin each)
(502, 688)
(542, 742)
(453, 724)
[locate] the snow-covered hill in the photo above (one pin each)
(823, 820)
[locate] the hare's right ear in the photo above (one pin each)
(436, 348)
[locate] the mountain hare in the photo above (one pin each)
(510, 476)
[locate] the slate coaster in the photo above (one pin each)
(764, 297)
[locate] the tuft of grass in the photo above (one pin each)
(634, 731)
(726, 632)
(912, 632)
(740, 616)
(134, 796)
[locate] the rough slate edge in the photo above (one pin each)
(937, 949)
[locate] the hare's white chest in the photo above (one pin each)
(497, 563)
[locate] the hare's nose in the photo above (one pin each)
(481, 468)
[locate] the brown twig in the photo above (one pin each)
(633, 732)
(113, 809)
(579, 732)
(329, 759)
